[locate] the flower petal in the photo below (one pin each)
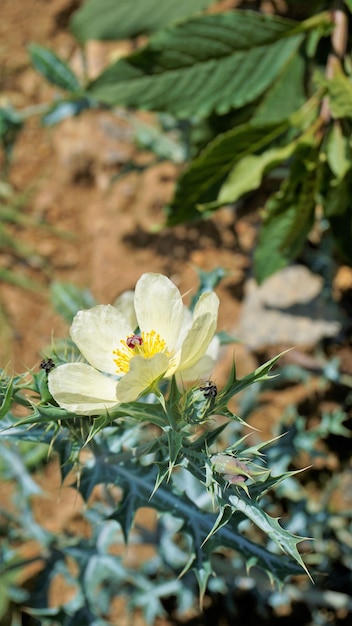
(97, 332)
(125, 304)
(142, 374)
(204, 367)
(202, 331)
(80, 389)
(159, 307)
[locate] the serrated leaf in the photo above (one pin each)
(285, 96)
(115, 20)
(54, 69)
(270, 526)
(67, 299)
(138, 484)
(141, 412)
(289, 216)
(235, 385)
(212, 63)
(6, 399)
(201, 181)
(174, 441)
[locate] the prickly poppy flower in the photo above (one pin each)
(127, 353)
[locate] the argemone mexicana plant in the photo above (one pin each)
(127, 354)
(153, 440)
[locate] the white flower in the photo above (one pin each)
(123, 361)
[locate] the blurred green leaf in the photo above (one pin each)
(348, 3)
(339, 90)
(202, 180)
(248, 174)
(10, 125)
(53, 68)
(66, 108)
(286, 95)
(338, 152)
(108, 19)
(67, 299)
(211, 63)
(289, 215)
(20, 280)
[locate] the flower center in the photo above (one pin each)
(146, 345)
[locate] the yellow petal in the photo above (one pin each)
(80, 389)
(204, 367)
(202, 331)
(159, 307)
(142, 374)
(125, 304)
(97, 332)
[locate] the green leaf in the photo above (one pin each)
(338, 152)
(235, 385)
(67, 299)
(66, 108)
(6, 399)
(138, 484)
(174, 441)
(289, 215)
(108, 19)
(211, 63)
(10, 125)
(248, 174)
(52, 68)
(339, 93)
(337, 207)
(201, 181)
(20, 280)
(269, 525)
(285, 96)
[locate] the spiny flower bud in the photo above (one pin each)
(233, 470)
(199, 403)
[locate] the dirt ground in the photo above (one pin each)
(94, 231)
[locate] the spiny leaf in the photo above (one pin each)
(67, 299)
(235, 385)
(174, 440)
(6, 398)
(269, 525)
(115, 20)
(211, 63)
(138, 483)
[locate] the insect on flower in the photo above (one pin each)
(209, 389)
(47, 365)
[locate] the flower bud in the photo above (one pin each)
(199, 403)
(233, 470)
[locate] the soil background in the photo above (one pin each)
(90, 227)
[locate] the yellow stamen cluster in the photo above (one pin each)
(151, 344)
